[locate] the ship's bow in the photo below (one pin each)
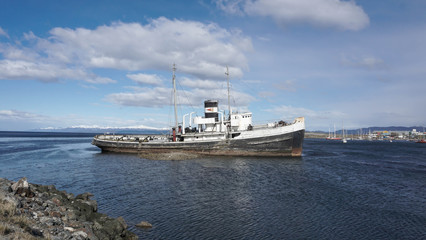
(298, 136)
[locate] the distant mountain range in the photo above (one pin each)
(372, 129)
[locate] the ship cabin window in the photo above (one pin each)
(242, 116)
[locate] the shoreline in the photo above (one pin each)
(33, 211)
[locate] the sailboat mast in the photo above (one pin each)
(174, 96)
(229, 101)
(334, 133)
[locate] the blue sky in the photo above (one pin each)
(109, 63)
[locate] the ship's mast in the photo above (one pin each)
(229, 101)
(334, 134)
(174, 96)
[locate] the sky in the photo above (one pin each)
(358, 63)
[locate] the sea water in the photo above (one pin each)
(357, 190)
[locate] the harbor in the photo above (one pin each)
(413, 135)
(331, 191)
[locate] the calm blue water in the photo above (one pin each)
(358, 190)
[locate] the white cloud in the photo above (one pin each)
(367, 62)
(150, 79)
(198, 49)
(231, 6)
(159, 97)
(3, 33)
(314, 118)
(264, 39)
(287, 85)
(145, 97)
(21, 120)
(371, 62)
(266, 94)
(18, 53)
(344, 15)
(47, 72)
(238, 99)
(204, 84)
(19, 69)
(21, 115)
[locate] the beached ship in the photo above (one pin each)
(214, 134)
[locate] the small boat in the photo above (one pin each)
(344, 140)
(214, 134)
(334, 137)
(422, 140)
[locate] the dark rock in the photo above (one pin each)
(85, 210)
(107, 228)
(122, 222)
(21, 187)
(21, 183)
(55, 214)
(144, 224)
(84, 196)
(56, 201)
(36, 232)
(79, 235)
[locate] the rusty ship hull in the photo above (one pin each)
(280, 141)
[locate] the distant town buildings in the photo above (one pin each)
(385, 134)
(365, 134)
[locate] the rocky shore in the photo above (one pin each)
(32, 211)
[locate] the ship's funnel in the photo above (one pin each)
(211, 109)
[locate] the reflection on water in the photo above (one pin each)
(359, 190)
